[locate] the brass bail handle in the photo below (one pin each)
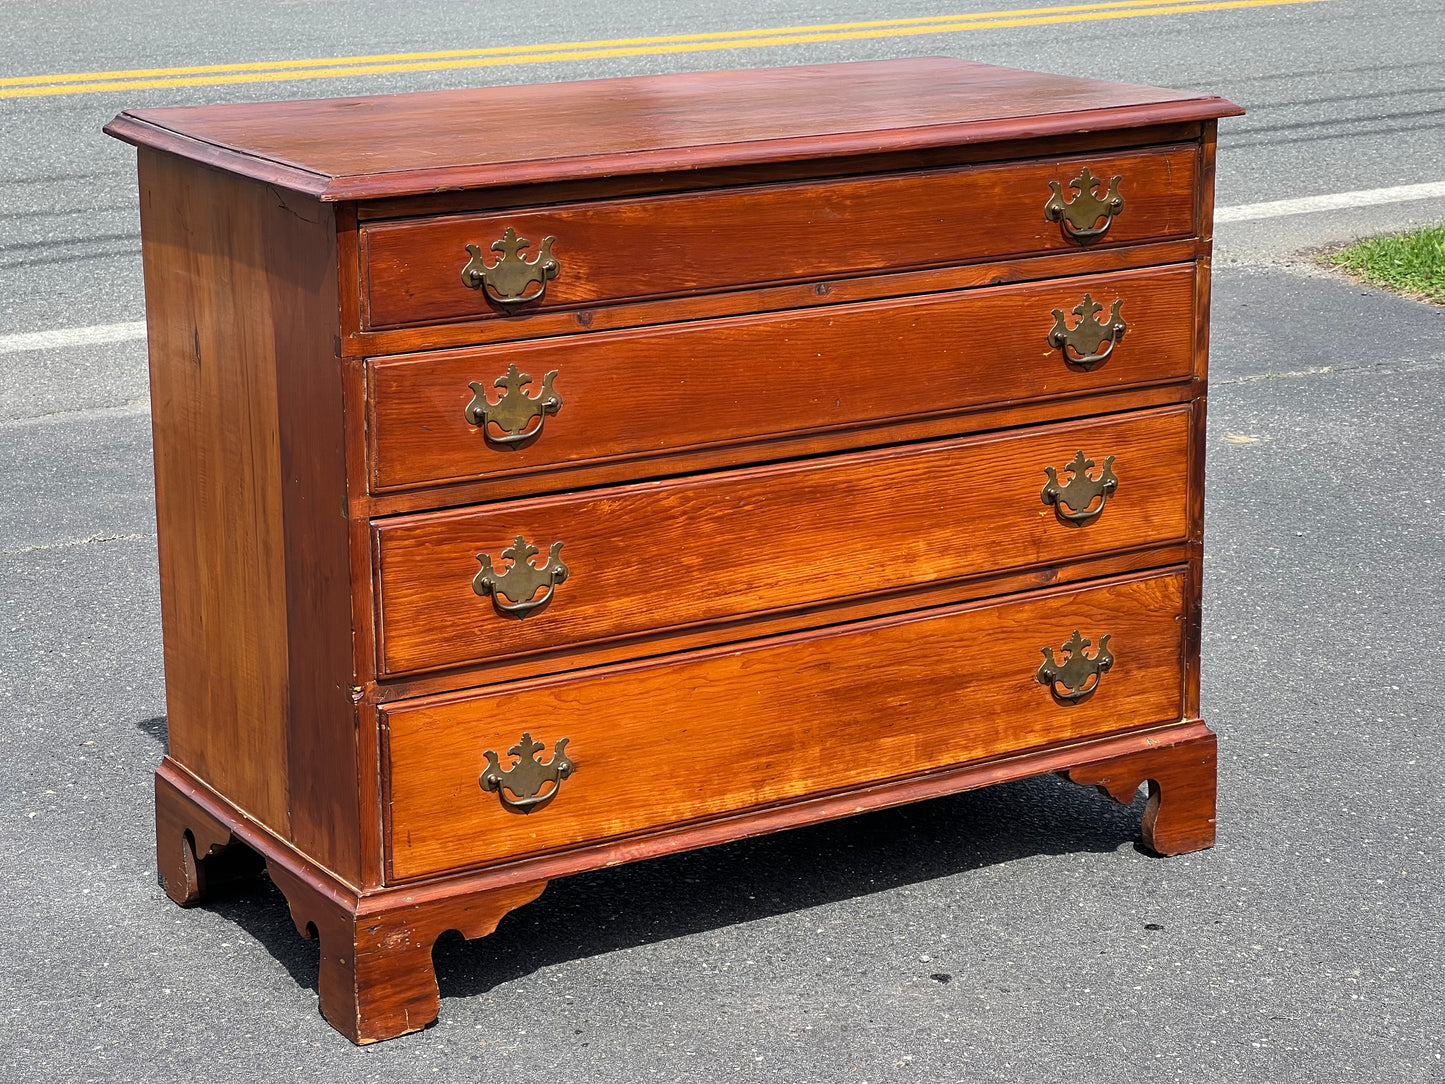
(508, 281)
(1081, 342)
(1074, 501)
(1076, 678)
(1079, 216)
(514, 412)
(520, 787)
(522, 579)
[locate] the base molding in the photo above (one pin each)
(1182, 780)
(376, 977)
(377, 980)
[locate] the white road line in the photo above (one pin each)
(95, 335)
(100, 334)
(1368, 197)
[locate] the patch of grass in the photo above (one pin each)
(1412, 263)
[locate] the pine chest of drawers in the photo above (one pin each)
(549, 477)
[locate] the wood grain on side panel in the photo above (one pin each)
(218, 482)
(245, 387)
(734, 728)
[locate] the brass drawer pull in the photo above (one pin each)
(527, 776)
(506, 281)
(1074, 501)
(1085, 337)
(1079, 217)
(522, 578)
(514, 411)
(1074, 674)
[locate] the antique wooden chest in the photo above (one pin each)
(555, 476)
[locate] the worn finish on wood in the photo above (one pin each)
(772, 538)
(376, 978)
(470, 201)
(703, 242)
(782, 447)
(478, 895)
(799, 485)
(745, 380)
(733, 729)
(187, 838)
(255, 576)
(990, 585)
(624, 313)
(220, 532)
(1180, 814)
(365, 148)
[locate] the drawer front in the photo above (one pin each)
(730, 729)
(706, 549)
(626, 249)
(739, 381)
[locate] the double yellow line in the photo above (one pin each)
(31, 86)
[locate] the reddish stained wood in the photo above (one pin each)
(415, 914)
(187, 801)
(363, 148)
(1182, 781)
(488, 671)
(376, 979)
(742, 727)
(1198, 440)
(1208, 141)
(219, 503)
(269, 288)
(639, 184)
(786, 446)
(299, 234)
(625, 314)
(745, 380)
(363, 645)
(702, 242)
(187, 835)
(700, 550)
(250, 471)
(1194, 599)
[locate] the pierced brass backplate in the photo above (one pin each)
(1081, 342)
(520, 786)
(514, 411)
(1074, 502)
(1076, 678)
(522, 579)
(506, 281)
(1079, 217)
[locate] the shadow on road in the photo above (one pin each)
(679, 895)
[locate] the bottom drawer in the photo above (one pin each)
(734, 728)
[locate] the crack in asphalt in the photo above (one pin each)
(120, 410)
(74, 542)
(1384, 368)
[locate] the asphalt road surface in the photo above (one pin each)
(1010, 934)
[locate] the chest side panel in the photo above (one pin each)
(242, 319)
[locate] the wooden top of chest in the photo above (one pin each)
(405, 145)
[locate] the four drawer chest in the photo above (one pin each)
(549, 477)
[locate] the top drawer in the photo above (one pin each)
(651, 247)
